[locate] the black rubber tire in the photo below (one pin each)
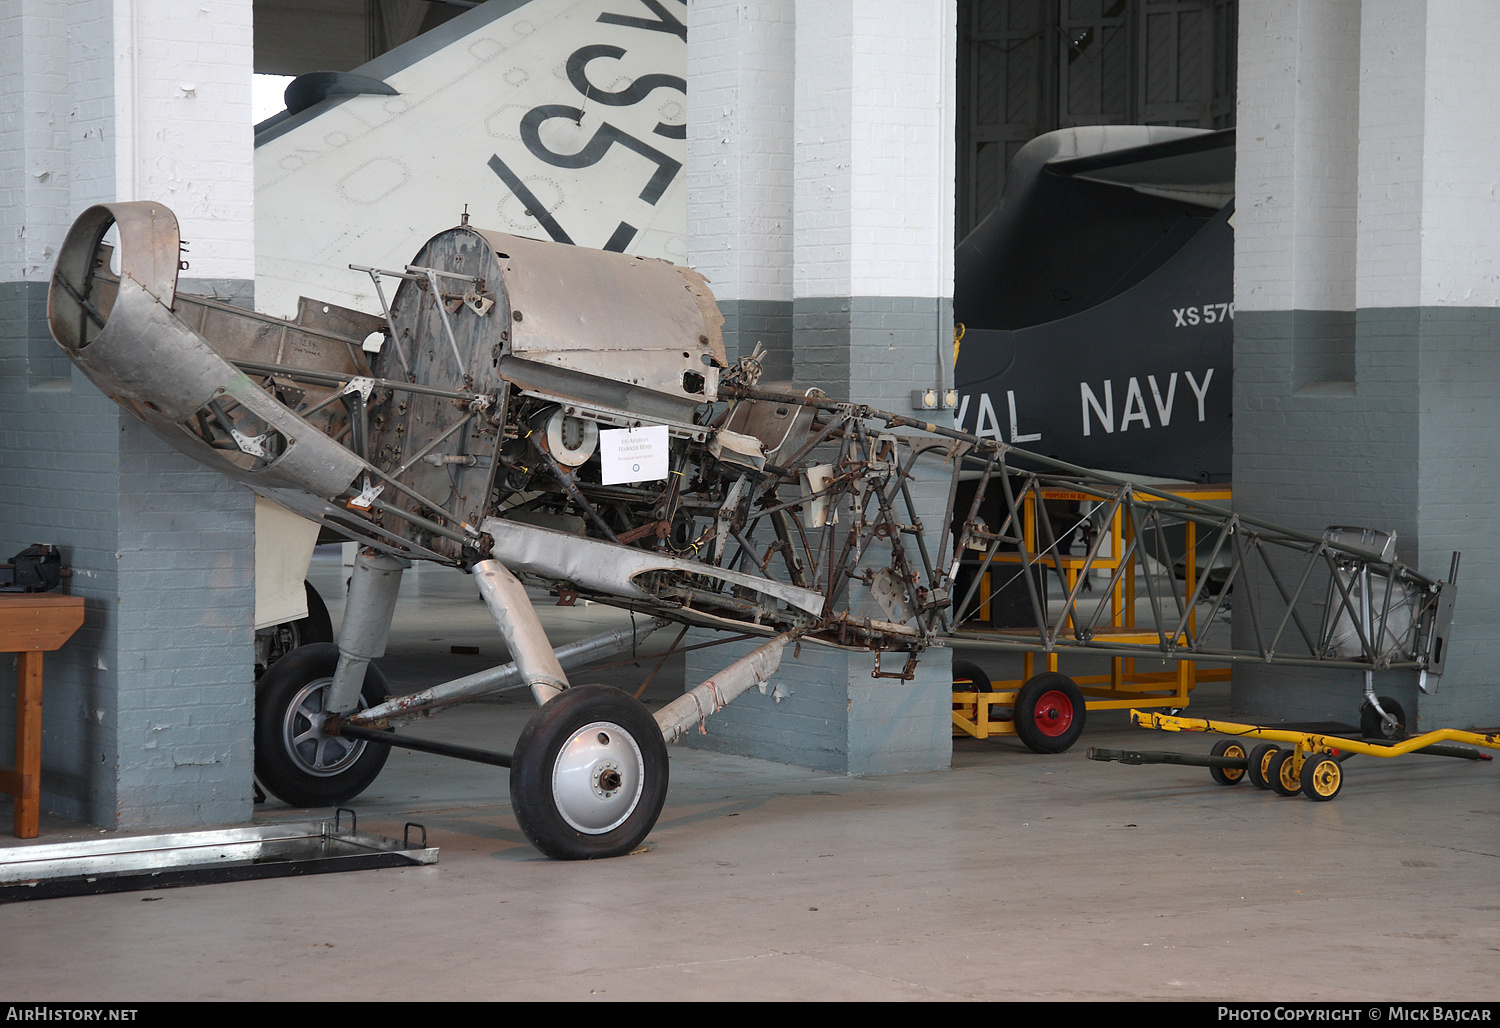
(1049, 712)
(288, 771)
(970, 677)
(1228, 775)
(1322, 777)
(1371, 726)
(317, 627)
(1256, 768)
(1279, 773)
(535, 767)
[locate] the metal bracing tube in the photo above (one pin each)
(575, 654)
(367, 624)
(513, 614)
(714, 695)
(442, 749)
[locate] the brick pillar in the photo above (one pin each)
(739, 170)
(148, 711)
(868, 255)
(1366, 289)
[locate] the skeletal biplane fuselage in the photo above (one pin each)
(539, 412)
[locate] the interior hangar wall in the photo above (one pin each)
(147, 711)
(820, 205)
(1367, 297)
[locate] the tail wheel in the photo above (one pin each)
(1049, 712)
(1281, 773)
(1258, 765)
(1228, 775)
(589, 774)
(1372, 726)
(1322, 777)
(294, 759)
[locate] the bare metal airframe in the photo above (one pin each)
(472, 438)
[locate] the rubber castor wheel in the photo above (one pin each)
(1049, 712)
(970, 677)
(1322, 777)
(1228, 775)
(1280, 774)
(1258, 764)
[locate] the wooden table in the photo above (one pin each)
(31, 624)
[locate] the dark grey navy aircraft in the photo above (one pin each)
(1098, 302)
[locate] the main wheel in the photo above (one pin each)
(1258, 764)
(1280, 774)
(1049, 712)
(1227, 775)
(1322, 777)
(1371, 726)
(294, 760)
(589, 774)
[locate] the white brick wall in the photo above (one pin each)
(874, 148)
(739, 145)
(182, 81)
(904, 87)
(1297, 170)
(148, 720)
(34, 125)
(1422, 227)
(1393, 73)
(92, 109)
(1460, 232)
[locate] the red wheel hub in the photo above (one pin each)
(1054, 713)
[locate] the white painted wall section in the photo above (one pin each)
(182, 105)
(1297, 168)
(1392, 82)
(1461, 155)
(34, 123)
(875, 84)
(106, 100)
(739, 146)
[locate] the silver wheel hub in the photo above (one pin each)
(314, 753)
(598, 777)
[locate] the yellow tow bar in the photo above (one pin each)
(1310, 766)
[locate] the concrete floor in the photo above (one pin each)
(1010, 876)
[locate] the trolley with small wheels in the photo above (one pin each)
(1310, 764)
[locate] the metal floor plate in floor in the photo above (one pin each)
(169, 860)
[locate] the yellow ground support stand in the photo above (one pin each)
(1312, 766)
(975, 713)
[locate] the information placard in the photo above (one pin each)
(633, 454)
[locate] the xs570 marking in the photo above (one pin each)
(1208, 314)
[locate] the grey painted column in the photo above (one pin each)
(868, 257)
(148, 711)
(1366, 288)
